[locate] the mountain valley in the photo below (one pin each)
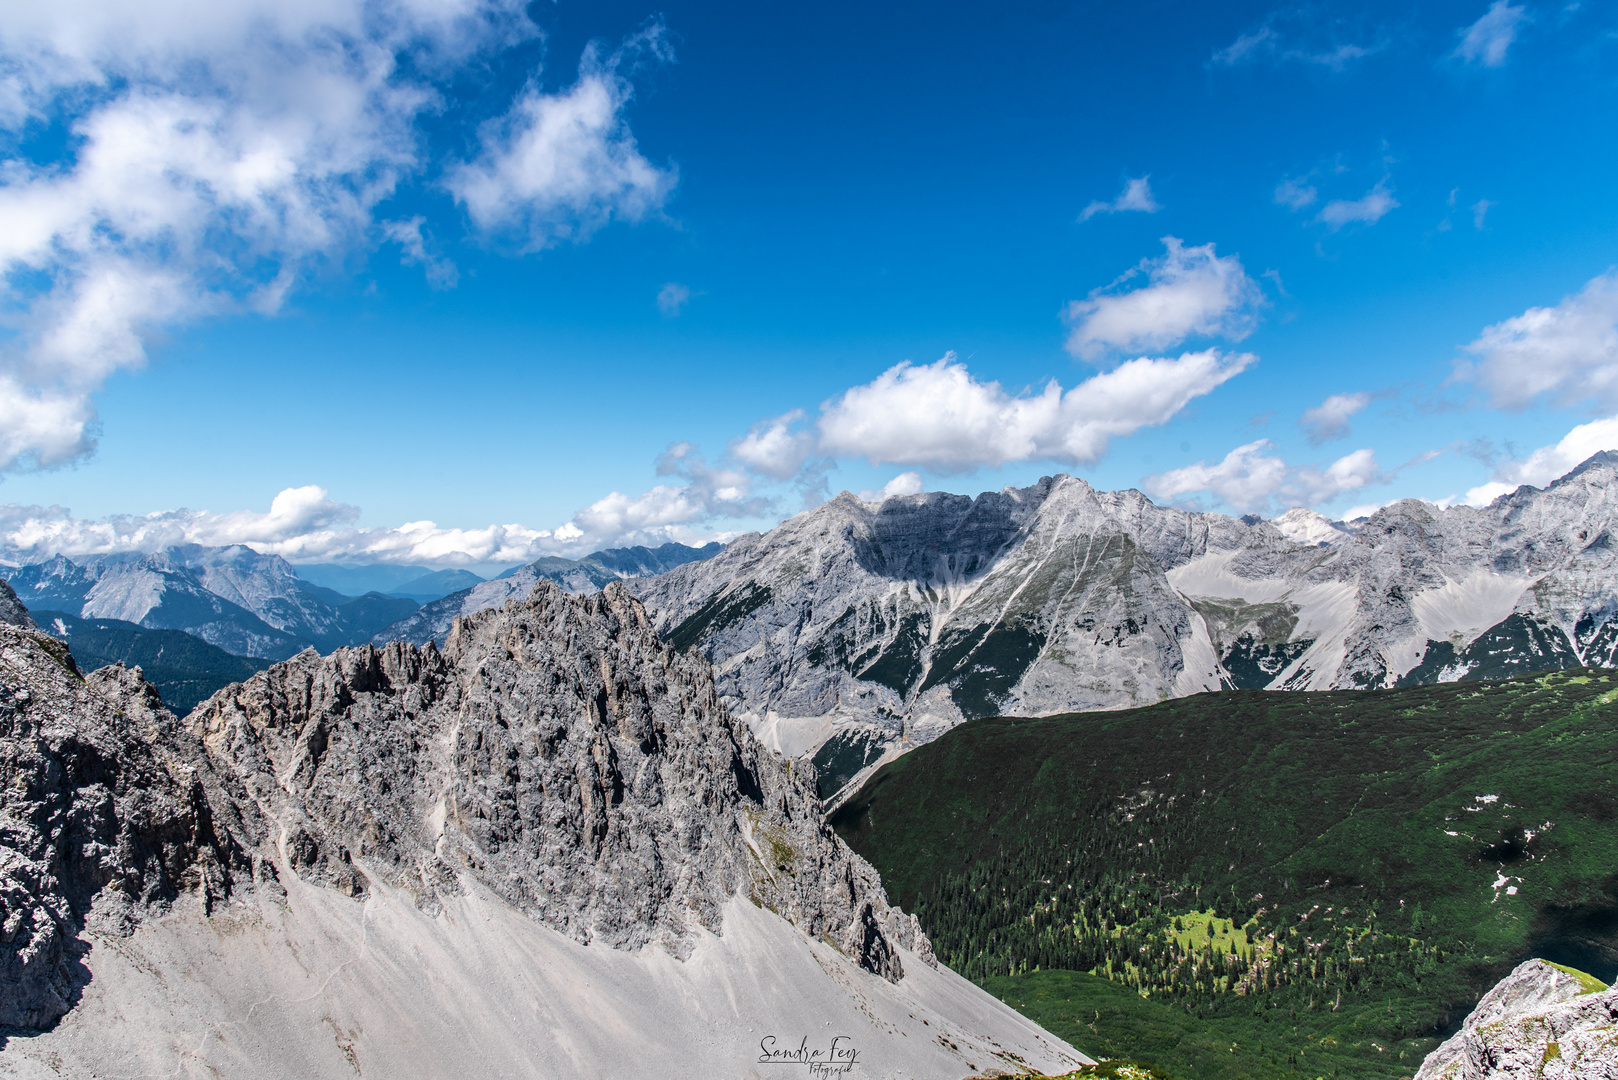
(1251, 885)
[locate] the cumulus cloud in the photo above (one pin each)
(1251, 479)
(1188, 291)
(559, 166)
(1568, 352)
(303, 524)
(1368, 209)
(906, 483)
(219, 154)
(937, 415)
(1487, 40)
(672, 298)
(1329, 419)
(775, 448)
(1548, 462)
(1137, 195)
(698, 493)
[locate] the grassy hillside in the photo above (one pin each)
(1256, 884)
(185, 669)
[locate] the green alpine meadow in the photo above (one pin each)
(1258, 884)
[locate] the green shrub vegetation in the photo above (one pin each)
(1255, 884)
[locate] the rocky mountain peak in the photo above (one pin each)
(555, 753)
(12, 612)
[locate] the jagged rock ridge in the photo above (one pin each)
(564, 756)
(244, 602)
(856, 628)
(488, 858)
(579, 576)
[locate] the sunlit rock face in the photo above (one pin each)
(543, 849)
(857, 628)
(1540, 1021)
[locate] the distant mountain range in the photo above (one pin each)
(245, 603)
(419, 583)
(579, 576)
(253, 605)
(861, 628)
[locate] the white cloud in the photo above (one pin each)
(441, 273)
(1268, 44)
(1487, 40)
(559, 166)
(1569, 351)
(1189, 291)
(1368, 209)
(671, 298)
(222, 153)
(937, 415)
(1295, 194)
(1329, 419)
(906, 483)
(669, 511)
(775, 448)
(1365, 510)
(302, 524)
(1137, 195)
(1548, 462)
(1250, 479)
(1480, 210)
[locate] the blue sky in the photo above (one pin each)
(470, 263)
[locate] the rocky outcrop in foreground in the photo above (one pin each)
(555, 755)
(1540, 1021)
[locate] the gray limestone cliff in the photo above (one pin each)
(1540, 1021)
(855, 630)
(555, 753)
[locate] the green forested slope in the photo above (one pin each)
(1263, 884)
(184, 668)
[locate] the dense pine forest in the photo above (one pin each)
(1253, 884)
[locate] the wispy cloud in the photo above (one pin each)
(1294, 36)
(672, 298)
(1329, 419)
(441, 272)
(1368, 209)
(1488, 40)
(1295, 194)
(1189, 291)
(1137, 195)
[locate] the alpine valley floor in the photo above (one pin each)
(1260, 884)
